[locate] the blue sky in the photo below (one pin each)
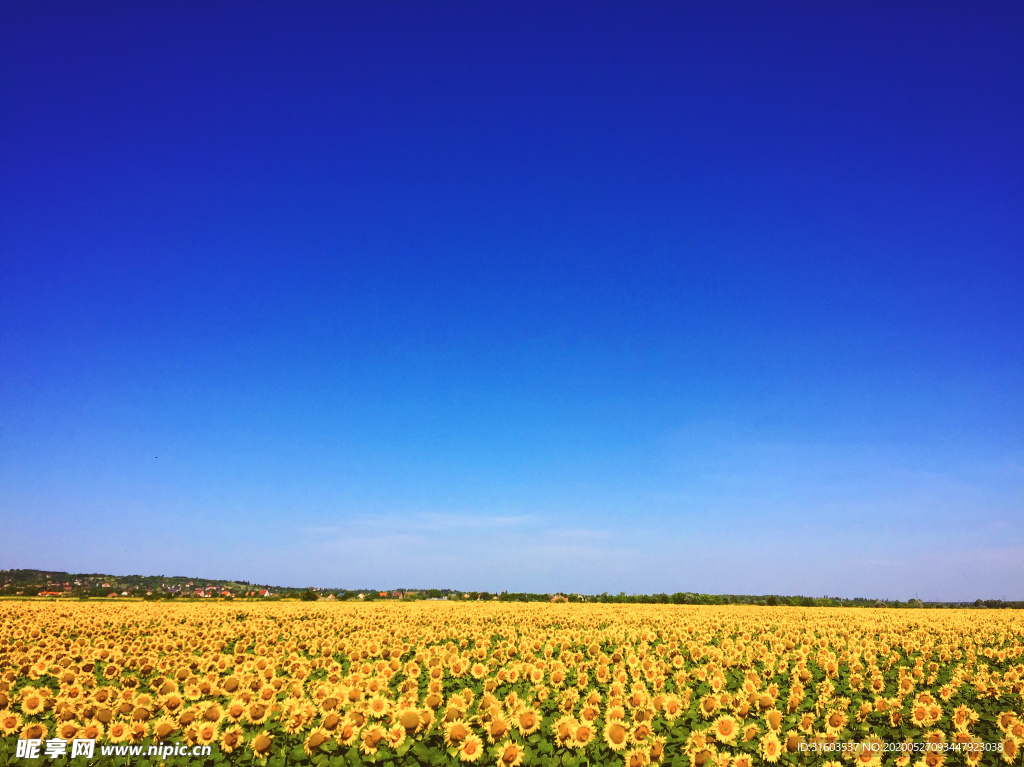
(713, 297)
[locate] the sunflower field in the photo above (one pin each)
(550, 685)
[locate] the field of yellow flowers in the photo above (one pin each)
(564, 685)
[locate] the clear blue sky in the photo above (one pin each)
(722, 297)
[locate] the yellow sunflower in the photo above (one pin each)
(235, 710)
(372, 738)
(455, 732)
(10, 723)
(471, 749)
(163, 728)
(835, 722)
(378, 706)
(770, 747)
(656, 749)
(527, 721)
(496, 728)
(509, 754)
(137, 732)
(91, 731)
(583, 735)
(232, 738)
(117, 732)
(255, 713)
(67, 730)
(260, 745)
(315, 739)
(726, 729)
(347, 733)
(615, 735)
(637, 757)
(1010, 750)
(33, 703)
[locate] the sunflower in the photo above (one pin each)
(974, 752)
(315, 739)
(67, 730)
(563, 729)
(408, 717)
(396, 736)
(527, 721)
(137, 732)
(33, 703)
(509, 754)
(92, 731)
(207, 733)
(260, 745)
(638, 756)
(171, 702)
(212, 712)
(455, 732)
(496, 728)
(371, 739)
(471, 749)
(426, 718)
(187, 716)
(773, 717)
(378, 706)
(163, 728)
(726, 729)
(673, 708)
(347, 733)
(118, 732)
(709, 706)
(256, 713)
(806, 724)
(232, 738)
(615, 735)
(10, 723)
(1016, 730)
(356, 718)
(770, 748)
(864, 711)
(235, 710)
(835, 722)
(294, 722)
(582, 735)
(750, 732)
(742, 760)
(919, 715)
(868, 753)
(1010, 750)
(330, 721)
(656, 749)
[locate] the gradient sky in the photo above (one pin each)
(643, 297)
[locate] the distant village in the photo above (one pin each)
(43, 583)
(60, 585)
